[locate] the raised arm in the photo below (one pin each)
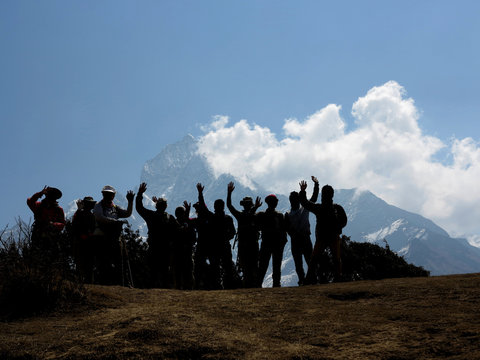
(316, 190)
(32, 201)
(303, 197)
(139, 200)
(231, 208)
(130, 196)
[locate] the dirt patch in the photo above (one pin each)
(352, 296)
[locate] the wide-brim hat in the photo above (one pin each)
(54, 193)
(246, 200)
(88, 200)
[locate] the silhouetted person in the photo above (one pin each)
(183, 249)
(274, 238)
(247, 236)
(298, 227)
(202, 268)
(108, 227)
(221, 230)
(49, 220)
(83, 226)
(161, 232)
(331, 219)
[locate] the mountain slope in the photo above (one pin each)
(175, 171)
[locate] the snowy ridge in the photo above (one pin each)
(176, 170)
(384, 232)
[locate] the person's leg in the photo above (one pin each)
(335, 247)
(307, 248)
(264, 259)
(277, 265)
(227, 267)
(311, 277)
(297, 258)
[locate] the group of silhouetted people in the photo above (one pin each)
(196, 253)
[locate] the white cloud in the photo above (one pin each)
(386, 153)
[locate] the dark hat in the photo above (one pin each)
(88, 202)
(53, 193)
(245, 200)
(89, 199)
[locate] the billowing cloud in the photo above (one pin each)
(386, 153)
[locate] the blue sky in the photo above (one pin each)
(91, 90)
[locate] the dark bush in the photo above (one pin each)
(135, 258)
(34, 281)
(366, 261)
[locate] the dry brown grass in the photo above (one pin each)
(410, 318)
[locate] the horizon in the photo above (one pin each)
(91, 91)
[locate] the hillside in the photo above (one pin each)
(436, 317)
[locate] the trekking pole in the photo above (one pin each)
(235, 241)
(130, 277)
(121, 260)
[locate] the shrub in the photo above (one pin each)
(34, 281)
(366, 261)
(136, 254)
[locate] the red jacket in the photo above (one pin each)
(46, 215)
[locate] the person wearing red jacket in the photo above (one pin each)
(49, 218)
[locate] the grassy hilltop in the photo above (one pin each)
(406, 318)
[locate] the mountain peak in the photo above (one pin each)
(176, 170)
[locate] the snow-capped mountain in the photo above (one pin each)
(419, 240)
(175, 171)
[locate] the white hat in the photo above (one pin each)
(108, 188)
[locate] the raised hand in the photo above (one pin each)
(230, 187)
(187, 207)
(303, 185)
(142, 188)
(130, 195)
(258, 202)
(314, 179)
(200, 188)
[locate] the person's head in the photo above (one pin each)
(53, 194)
(219, 206)
(294, 199)
(327, 194)
(180, 213)
(161, 204)
(108, 192)
(247, 203)
(271, 201)
(88, 203)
